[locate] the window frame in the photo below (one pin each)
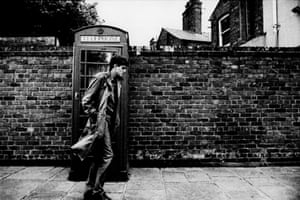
(222, 32)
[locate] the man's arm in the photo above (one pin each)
(90, 98)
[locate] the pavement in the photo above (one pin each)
(234, 183)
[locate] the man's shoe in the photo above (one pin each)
(98, 195)
(88, 194)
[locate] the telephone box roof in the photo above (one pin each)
(99, 26)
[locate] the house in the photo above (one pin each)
(263, 23)
(174, 39)
(191, 37)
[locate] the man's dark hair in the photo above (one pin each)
(118, 60)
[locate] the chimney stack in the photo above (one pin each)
(192, 19)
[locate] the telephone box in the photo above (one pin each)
(93, 48)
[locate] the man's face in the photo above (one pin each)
(118, 71)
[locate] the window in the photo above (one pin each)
(252, 11)
(224, 30)
(251, 18)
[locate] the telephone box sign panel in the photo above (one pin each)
(100, 38)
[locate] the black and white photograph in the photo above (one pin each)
(150, 100)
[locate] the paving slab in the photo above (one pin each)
(73, 196)
(76, 192)
(115, 187)
(115, 196)
(41, 173)
(62, 174)
(247, 195)
(14, 189)
(249, 172)
(45, 196)
(54, 186)
(197, 176)
(145, 195)
(145, 173)
(194, 191)
(281, 171)
(10, 169)
(180, 169)
(218, 172)
(174, 176)
(78, 187)
(7, 171)
(262, 181)
(228, 184)
(145, 185)
(280, 192)
(290, 180)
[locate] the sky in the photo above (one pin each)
(143, 19)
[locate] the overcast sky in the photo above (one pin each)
(143, 19)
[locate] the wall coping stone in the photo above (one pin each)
(58, 53)
(286, 52)
(203, 52)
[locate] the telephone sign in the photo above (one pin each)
(96, 38)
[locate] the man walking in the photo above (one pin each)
(101, 103)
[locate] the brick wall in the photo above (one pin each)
(214, 106)
(36, 105)
(231, 105)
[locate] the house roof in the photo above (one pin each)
(213, 12)
(186, 35)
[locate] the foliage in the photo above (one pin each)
(46, 18)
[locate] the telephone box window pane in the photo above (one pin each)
(82, 55)
(82, 82)
(93, 69)
(82, 69)
(98, 56)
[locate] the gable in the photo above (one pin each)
(222, 7)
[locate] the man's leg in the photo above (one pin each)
(92, 174)
(107, 156)
(90, 181)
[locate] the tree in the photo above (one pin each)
(46, 17)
